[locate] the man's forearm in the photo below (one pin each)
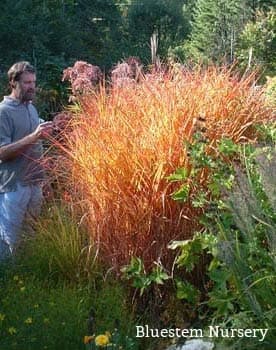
(12, 150)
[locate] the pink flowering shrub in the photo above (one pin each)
(83, 77)
(127, 72)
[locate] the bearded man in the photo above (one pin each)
(21, 174)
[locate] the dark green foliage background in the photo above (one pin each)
(52, 35)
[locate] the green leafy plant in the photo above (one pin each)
(270, 90)
(135, 271)
(256, 43)
(238, 233)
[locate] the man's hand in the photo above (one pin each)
(44, 130)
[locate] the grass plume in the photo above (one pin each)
(124, 143)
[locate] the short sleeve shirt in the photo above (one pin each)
(18, 120)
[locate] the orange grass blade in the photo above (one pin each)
(126, 141)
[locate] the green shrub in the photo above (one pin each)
(270, 91)
(239, 236)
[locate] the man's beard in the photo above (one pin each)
(27, 95)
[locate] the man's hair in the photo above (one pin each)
(16, 70)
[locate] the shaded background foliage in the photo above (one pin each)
(54, 34)
(164, 17)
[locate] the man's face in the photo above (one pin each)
(24, 89)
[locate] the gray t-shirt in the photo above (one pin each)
(18, 120)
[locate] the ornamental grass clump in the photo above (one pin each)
(123, 144)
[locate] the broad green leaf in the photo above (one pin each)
(179, 175)
(182, 194)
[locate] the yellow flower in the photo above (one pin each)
(12, 330)
(102, 340)
(36, 306)
(29, 320)
(88, 338)
(2, 317)
(22, 289)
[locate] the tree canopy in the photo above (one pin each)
(53, 34)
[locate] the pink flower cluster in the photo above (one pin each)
(127, 72)
(82, 76)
